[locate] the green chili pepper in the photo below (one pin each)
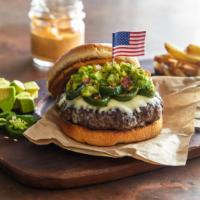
(97, 102)
(2, 122)
(3, 117)
(126, 96)
(74, 93)
(31, 119)
(17, 124)
(110, 91)
(148, 92)
(6, 114)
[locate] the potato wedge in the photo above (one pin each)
(167, 69)
(193, 49)
(167, 72)
(178, 72)
(189, 69)
(171, 63)
(162, 58)
(158, 68)
(181, 55)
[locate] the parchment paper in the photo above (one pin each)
(180, 95)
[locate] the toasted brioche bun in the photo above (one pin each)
(109, 137)
(82, 55)
(58, 76)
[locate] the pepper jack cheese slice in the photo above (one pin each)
(127, 107)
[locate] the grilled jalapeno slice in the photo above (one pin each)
(101, 102)
(2, 122)
(126, 96)
(6, 114)
(110, 91)
(73, 94)
(17, 124)
(30, 119)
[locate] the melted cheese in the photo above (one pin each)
(127, 106)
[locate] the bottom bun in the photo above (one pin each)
(110, 137)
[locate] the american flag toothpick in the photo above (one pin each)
(128, 43)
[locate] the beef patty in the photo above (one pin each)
(114, 119)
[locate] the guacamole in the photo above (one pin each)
(97, 84)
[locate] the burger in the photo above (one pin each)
(103, 102)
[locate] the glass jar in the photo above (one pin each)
(56, 27)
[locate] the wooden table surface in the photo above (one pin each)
(176, 22)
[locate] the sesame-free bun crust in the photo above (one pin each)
(82, 55)
(110, 137)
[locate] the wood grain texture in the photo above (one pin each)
(166, 183)
(51, 167)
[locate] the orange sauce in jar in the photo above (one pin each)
(49, 43)
(53, 35)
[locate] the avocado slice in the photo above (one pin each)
(7, 97)
(19, 86)
(32, 85)
(33, 93)
(23, 94)
(26, 104)
(18, 96)
(33, 88)
(4, 82)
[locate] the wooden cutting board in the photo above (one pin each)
(52, 167)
